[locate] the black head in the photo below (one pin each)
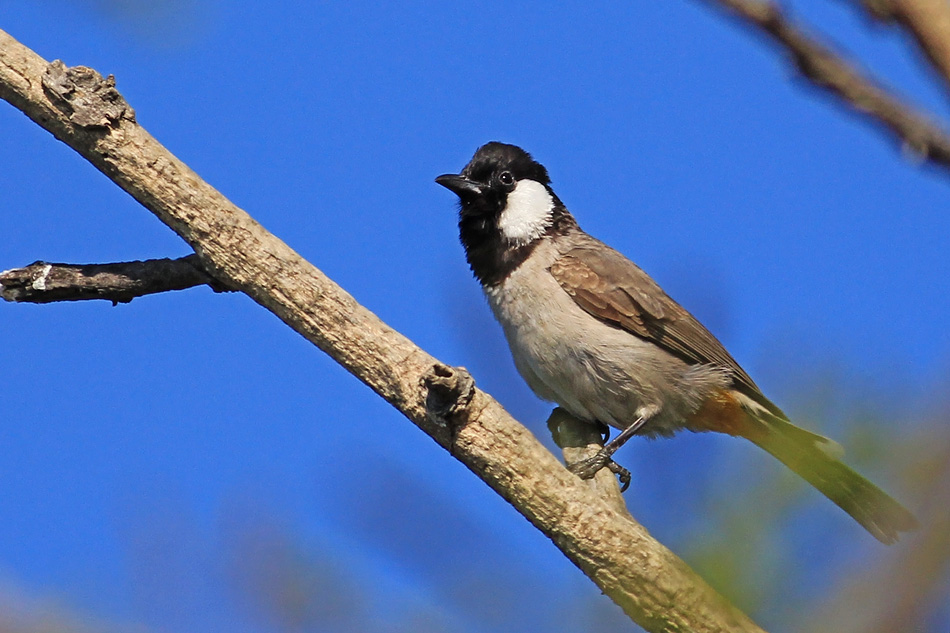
(484, 184)
(506, 206)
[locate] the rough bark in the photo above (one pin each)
(653, 586)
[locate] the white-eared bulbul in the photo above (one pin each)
(592, 332)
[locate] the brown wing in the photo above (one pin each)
(612, 288)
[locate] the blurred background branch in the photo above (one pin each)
(927, 22)
(816, 60)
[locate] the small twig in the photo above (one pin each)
(43, 282)
(826, 69)
(927, 21)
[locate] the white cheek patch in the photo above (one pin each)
(528, 212)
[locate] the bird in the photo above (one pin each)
(592, 332)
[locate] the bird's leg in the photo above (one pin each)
(587, 468)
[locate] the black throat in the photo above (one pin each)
(490, 256)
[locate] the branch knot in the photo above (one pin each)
(449, 390)
(88, 99)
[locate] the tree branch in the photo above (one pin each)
(43, 282)
(653, 586)
(827, 70)
(927, 21)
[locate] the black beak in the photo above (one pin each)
(461, 186)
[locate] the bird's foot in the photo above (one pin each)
(587, 468)
(622, 474)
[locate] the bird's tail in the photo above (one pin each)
(818, 461)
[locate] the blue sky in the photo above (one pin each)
(160, 456)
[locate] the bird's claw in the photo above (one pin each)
(587, 468)
(622, 474)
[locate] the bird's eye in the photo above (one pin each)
(506, 178)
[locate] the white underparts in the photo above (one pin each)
(528, 212)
